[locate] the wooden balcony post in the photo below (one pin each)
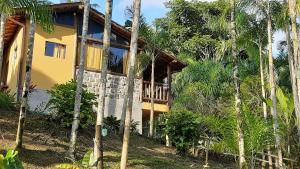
(169, 73)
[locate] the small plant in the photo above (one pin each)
(112, 124)
(133, 127)
(7, 101)
(10, 161)
(62, 102)
(183, 129)
(85, 163)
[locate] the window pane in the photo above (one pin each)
(49, 51)
(116, 59)
(64, 18)
(55, 50)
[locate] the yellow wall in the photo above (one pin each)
(157, 107)
(13, 61)
(47, 71)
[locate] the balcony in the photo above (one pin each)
(161, 96)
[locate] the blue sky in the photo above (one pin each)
(151, 9)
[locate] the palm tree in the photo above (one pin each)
(76, 119)
(38, 12)
(2, 31)
(98, 145)
(26, 86)
(152, 95)
(293, 16)
(156, 40)
(130, 79)
(273, 88)
(242, 160)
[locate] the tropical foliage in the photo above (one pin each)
(10, 160)
(7, 100)
(61, 105)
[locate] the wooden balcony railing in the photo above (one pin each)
(161, 92)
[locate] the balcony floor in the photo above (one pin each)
(157, 107)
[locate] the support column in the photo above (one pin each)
(169, 77)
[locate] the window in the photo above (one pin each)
(118, 60)
(55, 50)
(64, 18)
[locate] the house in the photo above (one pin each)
(56, 55)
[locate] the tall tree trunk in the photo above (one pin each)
(76, 119)
(123, 115)
(2, 32)
(292, 67)
(152, 97)
(98, 145)
(262, 79)
(242, 160)
(26, 85)
(273, 91)
(130, 79)
(292, 13)
(263, 92)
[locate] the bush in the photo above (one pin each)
(183, 129)
(10, 161)
(62, 101)
(112, 124)
(133, 127)
(7, 101)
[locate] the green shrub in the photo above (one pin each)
(62, 102)
(10, 161)
(133, 127)
(183, 129)
(7, 101)
(112, 124)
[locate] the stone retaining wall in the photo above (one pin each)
(115, 88)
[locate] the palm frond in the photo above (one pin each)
(38, 9)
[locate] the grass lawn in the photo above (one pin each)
(46, 143)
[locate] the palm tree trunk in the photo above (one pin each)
(2, 32)
(130, 78)
(152, 97)
(292, 68)
(262, 79)
(76, 119)
(273, 91)
(263, 92)
(292, 13)
(242, 160)
(23, 108)
(123, 115)
(98, 145)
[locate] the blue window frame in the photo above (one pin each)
(55, 50)
(49, 49)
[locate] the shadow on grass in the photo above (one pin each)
(115, 159)
(42, 158)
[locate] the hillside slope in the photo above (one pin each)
(46, 143)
